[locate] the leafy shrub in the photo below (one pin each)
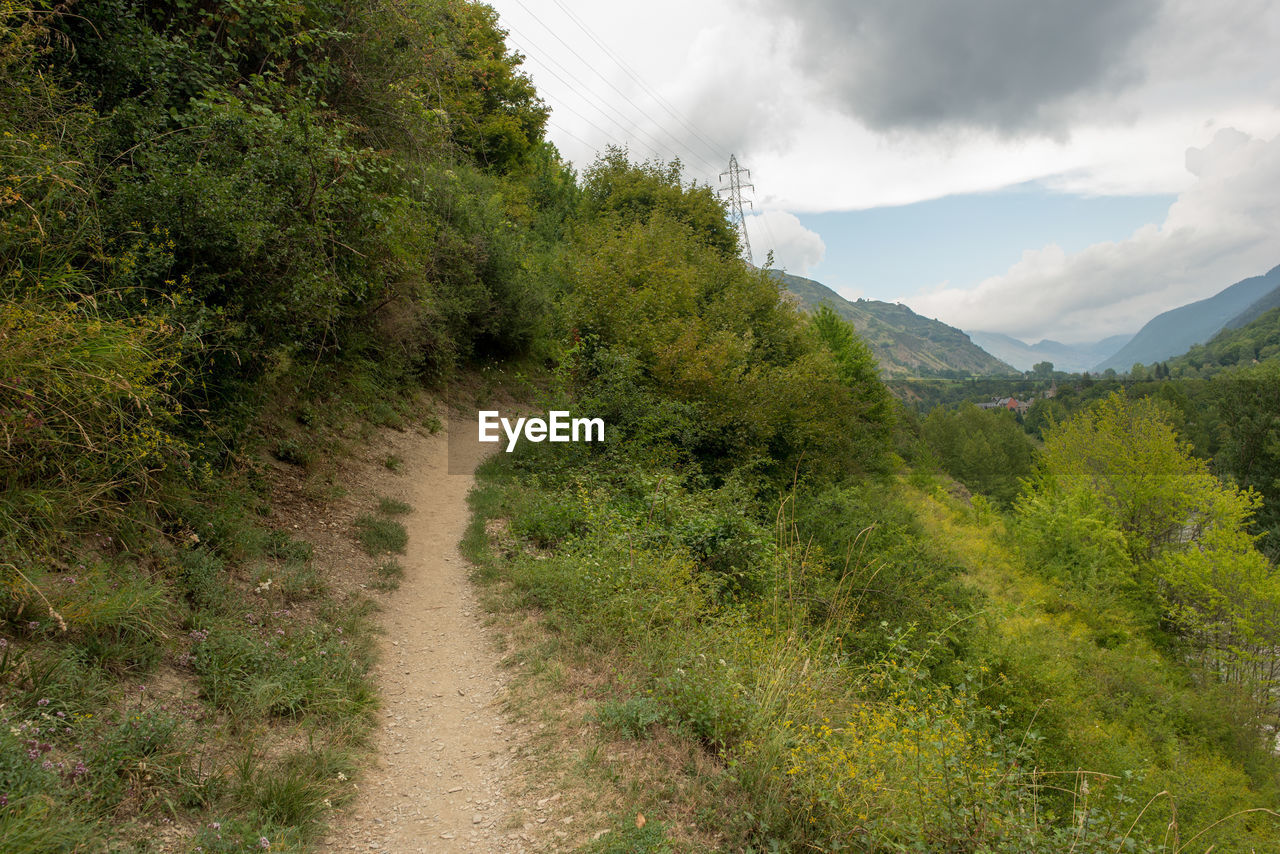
(1071, 537)
(545, 520)
(201, 576)
(705, 696)
(291, 451)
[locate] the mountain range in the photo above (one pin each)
(1175, 331)
(904, 343)
(907, 344)
(1073, 358)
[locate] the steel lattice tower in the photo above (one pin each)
(736, 214)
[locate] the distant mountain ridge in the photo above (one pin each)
(1253, 312)
(1176, 331)
(1255, 341)
(904, 343)
(1074, 358)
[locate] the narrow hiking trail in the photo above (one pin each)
(445, 753)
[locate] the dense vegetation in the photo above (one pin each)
(877, 664)
(230, 231)
(227, 230)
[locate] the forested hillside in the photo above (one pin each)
(1172, 332)
(905, 344)
(235, 235)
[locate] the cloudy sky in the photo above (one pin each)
(1062, 168)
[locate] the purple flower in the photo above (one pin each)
(43, 701)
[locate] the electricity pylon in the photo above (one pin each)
(736, 215)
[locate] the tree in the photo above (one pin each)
(984, 449)
(1043, 370)
(856, 366)
(613, 186)
(1121, 465)
(1157, 492)
(1248, 405)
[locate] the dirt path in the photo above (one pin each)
(444, 750)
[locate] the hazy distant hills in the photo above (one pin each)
(904, 343)
(1176, 331)
(1065, 357)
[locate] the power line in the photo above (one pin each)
(621, 63)
(599, 129)
(582, 88)
(736, 214)
(606, 80)
(568, 132)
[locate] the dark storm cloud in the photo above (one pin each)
(1009, 65)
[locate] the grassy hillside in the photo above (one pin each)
(904, 343)
(869, 665)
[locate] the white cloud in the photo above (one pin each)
(1224, 227)
(795, 248)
